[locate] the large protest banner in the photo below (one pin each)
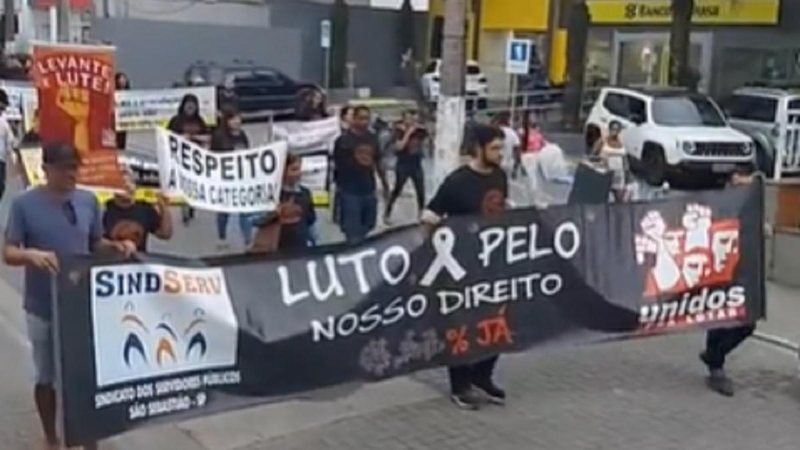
(313, 143)
(166, 339)
(75, 87)
(152, 108)
(241, 181)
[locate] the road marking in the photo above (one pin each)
(777, 341)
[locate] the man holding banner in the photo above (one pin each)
(480, 187)
(46, 225)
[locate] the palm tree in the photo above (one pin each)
(680, 73)
(578, 24)
(339, 22)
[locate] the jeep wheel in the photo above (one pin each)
(654, 166)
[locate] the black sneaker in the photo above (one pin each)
(719, 382)
(492, 393)
(466, 400)
(704, 358)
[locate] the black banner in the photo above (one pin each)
(164, 339)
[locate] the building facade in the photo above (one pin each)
(733, 41)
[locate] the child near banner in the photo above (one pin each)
(292, 226)
(479, 187)
(122, 84)
(189, 124)
(356, 163)
(125, 218)
(46, 224)
(228, 137)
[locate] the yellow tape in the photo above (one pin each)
(31, 162)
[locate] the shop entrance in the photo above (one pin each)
(642, 59)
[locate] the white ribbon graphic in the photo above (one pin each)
(443, 241)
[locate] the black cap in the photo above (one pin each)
(3, 98)
(60, 155)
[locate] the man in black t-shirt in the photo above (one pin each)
(356, 162)
(480, 187)
(128, 219)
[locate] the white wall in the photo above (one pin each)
(219, 12)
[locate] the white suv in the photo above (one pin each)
(475, 83)
(771, 116)
(668, 131)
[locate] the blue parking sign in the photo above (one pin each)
(518, 56)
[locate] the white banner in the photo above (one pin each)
(241, 181)
(153, 108)
(306, 137)
(157, 320)
(315, 171)
(20, 97)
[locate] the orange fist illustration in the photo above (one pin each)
(75, 103)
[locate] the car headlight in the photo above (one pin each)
(688, 147)
(748, 148)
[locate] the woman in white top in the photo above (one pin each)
(611, 150)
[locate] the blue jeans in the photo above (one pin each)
(357, 215)
(245, 225)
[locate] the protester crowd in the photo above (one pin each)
(56, 220)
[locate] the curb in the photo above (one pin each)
(778, 341)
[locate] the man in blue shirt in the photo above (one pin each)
(46, 225)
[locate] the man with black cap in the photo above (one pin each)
(47, 224)
(7, 140)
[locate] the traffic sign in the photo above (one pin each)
(518, 56)
(325, 33)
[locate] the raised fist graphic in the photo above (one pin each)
(75, 103)
(697, 221)
(653, 226)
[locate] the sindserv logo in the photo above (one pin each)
(158, 320)
(690, 268)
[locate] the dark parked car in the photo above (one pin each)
(256, 88)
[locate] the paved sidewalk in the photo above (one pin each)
(629, 395)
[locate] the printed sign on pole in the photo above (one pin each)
(325, 34)
(518, 56)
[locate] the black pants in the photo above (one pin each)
(719, 343)
(463, 377)
(403, 172)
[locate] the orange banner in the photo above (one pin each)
(75, 84)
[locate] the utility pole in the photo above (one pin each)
(450, 111)
(8, 29)
(63, 21)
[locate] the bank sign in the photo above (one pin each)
(706, 12)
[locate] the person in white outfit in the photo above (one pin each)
(611, 150)
(7, 141)
(511, 143)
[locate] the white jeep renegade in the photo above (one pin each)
(669, 131)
